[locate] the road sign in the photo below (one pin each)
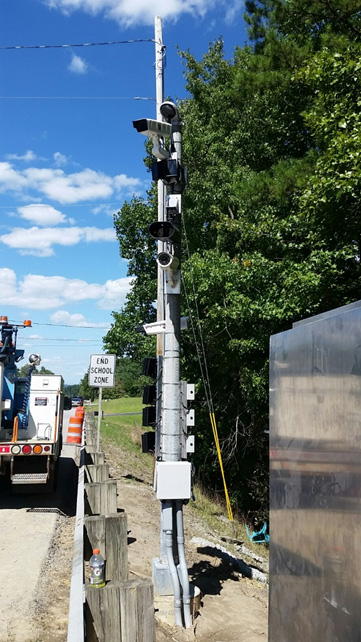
(101, 370)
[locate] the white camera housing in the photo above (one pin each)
(150, 127)
(156, 130)
(166, 260)
(173, 205)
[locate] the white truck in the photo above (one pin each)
(31, 416)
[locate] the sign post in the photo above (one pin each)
(101, 375)
(100, 395)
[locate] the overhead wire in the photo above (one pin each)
(204, 371)
(81, 44)
(77, 98)
(65, 325)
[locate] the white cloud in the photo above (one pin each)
(11, 179)
(27, 157)
(62, 317)
(39, 292)
(58, 186)
(59, 159)
(107, 210)
(78, 65)
(130, 12)
(41, 214)
(114, 293)
(233, 9)
(38, 241)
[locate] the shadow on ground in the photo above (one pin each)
(62, 500)
(210, 578)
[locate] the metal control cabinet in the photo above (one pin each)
(315, 480)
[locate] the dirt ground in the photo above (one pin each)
(233, 608)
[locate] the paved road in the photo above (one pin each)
(27, 527)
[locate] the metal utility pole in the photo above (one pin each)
(172, 480)
(159, 94)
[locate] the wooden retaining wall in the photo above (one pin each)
(123, 610)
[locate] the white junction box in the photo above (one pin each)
(173, 480)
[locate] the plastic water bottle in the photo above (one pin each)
(96, 563)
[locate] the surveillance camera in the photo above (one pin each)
(34, 359)
(156, 130)
(152, 128)
(173, 205)
(169, 111)
(167, 260)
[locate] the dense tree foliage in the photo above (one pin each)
(23, 371)
(128, 381)
(271, 216)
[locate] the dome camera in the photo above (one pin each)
(169, 111)
(34, 359)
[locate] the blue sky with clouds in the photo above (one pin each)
(69, 155)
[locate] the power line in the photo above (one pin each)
(55, 345)
(76, 98)
(83, 44)
(78, 341)
(63, 325)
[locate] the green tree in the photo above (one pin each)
(86, 391)
(271, 218)
(23, 371)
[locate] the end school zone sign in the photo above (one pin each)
(101, 370)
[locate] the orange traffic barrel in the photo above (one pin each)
(80, 411)
(74, 430)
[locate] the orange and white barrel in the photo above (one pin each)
(79, 412)
(74, 430)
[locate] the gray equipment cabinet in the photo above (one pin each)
(315, 479)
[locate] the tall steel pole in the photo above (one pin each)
(161, 576)
(159, 93)
(170, 575)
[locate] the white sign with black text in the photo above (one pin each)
(101, 370)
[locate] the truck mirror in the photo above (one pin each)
(67, 403)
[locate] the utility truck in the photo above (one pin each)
(31, 416)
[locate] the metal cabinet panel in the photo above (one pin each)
(315, 480)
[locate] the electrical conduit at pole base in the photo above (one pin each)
(183, 571)
(168, 520)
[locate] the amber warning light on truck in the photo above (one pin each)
(101, 370)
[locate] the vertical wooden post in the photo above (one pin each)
(101, 497)
(97, 473)
(116, 547)
(121, 612)
(109, 534)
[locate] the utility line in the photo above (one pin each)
(204, 372)
(82, 44)
(76, 98)
(78, 341)
(64, 325)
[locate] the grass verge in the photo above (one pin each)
(124, 431)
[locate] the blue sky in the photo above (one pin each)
(69, 156)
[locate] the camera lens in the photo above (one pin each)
(164, 259)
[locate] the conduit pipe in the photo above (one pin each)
(183, 571)
(168, 520)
